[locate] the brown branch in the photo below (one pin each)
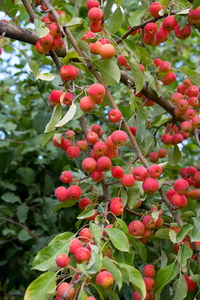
(7, 241)
(65, 294)
(196, 135)
(29, 9)
(29, 231)
(12, 141)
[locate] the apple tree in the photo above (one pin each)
(117, 104)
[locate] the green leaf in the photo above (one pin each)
(184, 254)
(70, 55)
(133, 195)
(43, 285)
(67, 203)
(174, 155)
(112, 268)
(180, 288)
(138, 246)
(47, 138)
(40, 28)
(45, 76)
(24, 235)
(118, 239)
(151, 80)
(135, 278)
(183, 232)
(10, 198)
(82, 296)
(68, 116)
(137, 74)
(164, 276)
(46, 258)
(88, 212)
(101, 290)
(195, 4)
(122, 225)
(22, 212)
(55, 118)
(107, 9)
(95, 262)
(115, 21)
(109, 70)
(32, 64)
(141, 123)
(96, 231)
(75, 22)
(192, 75)
(132, 47)
(195, 234)
(135, 17)
(124, 196)
(112, 295)
(195, 278)
(162, 233)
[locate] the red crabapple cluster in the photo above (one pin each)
(154, 36)
(155, 156)
(149, 273)
(163, 68)
(52, 41)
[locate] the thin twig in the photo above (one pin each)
(13, 222)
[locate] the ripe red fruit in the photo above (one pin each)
(111, 153)
(97, 176)
(89, 164)
(118, 138)
(65, 144)
(99, 148)
(162, 153)
(117, 208)
(74, 192)
(54, 30)
(107, 51)
(87, 104)
(68, 99)
(95, 47)
(140, 173)
(181, 186)
(190, 113)
(62, 260)
(114, 115)
(177, 139)
(153, 157)
(179, 201)
(133, 130)
(187, 126)
(194, 194)
(68, 72)
(164, 67)
(150, 29)
(92, 137)
(193, 101)
(66, 177)
(88, 35)
(84, 202)
(122, 61)
(41, 49)
(105, 279)
(183, 33)
(148, 223)
(62, 288)
(54, 97)
(117, 172)
(57, 44)
(82, 254)
(155, 8)
(136, 228)
(149, 283)
(95, 14)
(46, 41)
(91, 218)
(95, 26)
(155, 171)
(150, 185)
(159, 223)
(191, 285)
(196, 122)
(74, 244)
(169, 23)
(70, 134)
(97, 91)
(157, 62)
(83, 145)
(127, 180)
(73, 152)
(92, 3)
(104, 164)
(85, 235)
(61, 194)
(149, 271)
(96, 128)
